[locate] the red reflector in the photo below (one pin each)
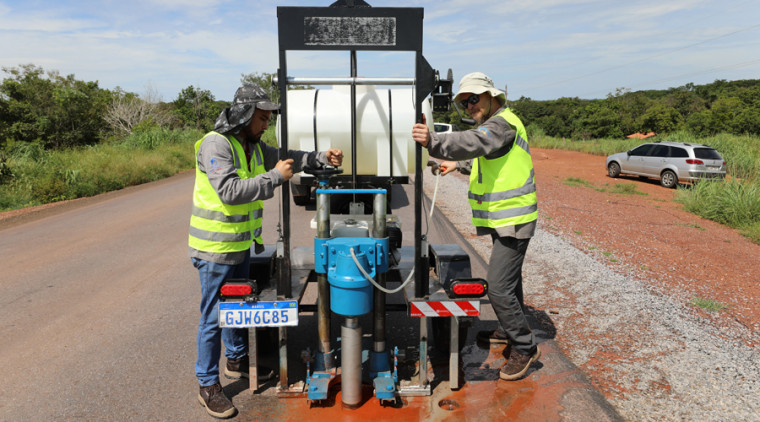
(236, 289)
(692, 161)
(461, 289)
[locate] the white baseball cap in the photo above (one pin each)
(478, 83)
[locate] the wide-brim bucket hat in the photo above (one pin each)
(248, 98)
(478, 83)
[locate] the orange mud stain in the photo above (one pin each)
(533, 398)
(370, 409)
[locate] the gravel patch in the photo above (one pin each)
(651, 356)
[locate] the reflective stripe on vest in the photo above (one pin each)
(503, 190)
(218, 227)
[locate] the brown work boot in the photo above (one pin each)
(215, 402)
(238, 368)
(492, 337)
(517, 365)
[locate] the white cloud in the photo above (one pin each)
(534, 46)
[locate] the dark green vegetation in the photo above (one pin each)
(701, 110)
(704, 110)
(61, 138)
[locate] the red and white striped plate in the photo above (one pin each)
(445, 308)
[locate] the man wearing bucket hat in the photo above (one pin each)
(234, 173)
(502, 195)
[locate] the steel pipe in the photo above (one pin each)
(379, 231)
(347, 81)
(323, 287)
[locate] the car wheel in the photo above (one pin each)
(613, 169)
(669, 179)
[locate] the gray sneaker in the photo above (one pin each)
(215, 402)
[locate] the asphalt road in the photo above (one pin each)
(99, 310)
(98, 307)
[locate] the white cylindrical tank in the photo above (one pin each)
(319, 119)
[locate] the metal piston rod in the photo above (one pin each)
(326, 359)
(379, 231)
(346, 81)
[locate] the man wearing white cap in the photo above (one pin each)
(502, 195)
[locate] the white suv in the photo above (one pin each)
(669, 162)
(444, 128)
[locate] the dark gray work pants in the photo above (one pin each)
(505, 291)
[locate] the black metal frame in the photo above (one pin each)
(346, 27)
(383, 29)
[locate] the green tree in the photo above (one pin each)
(746, 122)
(47, 107)
(597, 120)
(263, 80)
(196, 108)
(631, 108)
(686, 101)
(661, 118)
(700, 123)
(724, 111)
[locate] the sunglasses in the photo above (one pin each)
(471, 100)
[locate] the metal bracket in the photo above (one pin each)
(385, 386)
(318, 384)
(454, 354)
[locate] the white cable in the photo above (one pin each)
(374, 283)
(432, 203)
(411, 274)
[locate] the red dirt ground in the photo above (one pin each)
(649, 234)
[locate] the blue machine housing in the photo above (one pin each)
(350, 291)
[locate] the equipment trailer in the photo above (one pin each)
(357, 259)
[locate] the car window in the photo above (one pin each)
(707, 154)
(440, 128)
(641, 149)
(677, 152)
(659, 151)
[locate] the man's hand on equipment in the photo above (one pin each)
(447, 167)
(420, 133)
(335, 157)
(285, 167)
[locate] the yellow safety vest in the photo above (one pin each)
(218, 227)
(503, 190)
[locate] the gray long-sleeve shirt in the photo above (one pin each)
(215, 159)
(494, 138)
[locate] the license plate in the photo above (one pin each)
(258, 314)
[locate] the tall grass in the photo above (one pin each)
(734, 202)
(36, 176)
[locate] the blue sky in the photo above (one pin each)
(542, 49)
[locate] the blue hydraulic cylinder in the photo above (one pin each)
(350, 290)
